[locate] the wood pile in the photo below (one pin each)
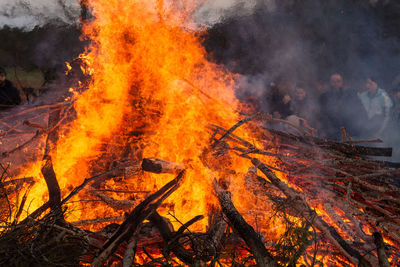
(342, 208)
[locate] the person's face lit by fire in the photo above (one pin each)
(371, 86)
(300, 93)
(2, 78)
(337, 81)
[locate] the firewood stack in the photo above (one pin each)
(341, 208)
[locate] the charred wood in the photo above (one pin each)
(171, 240)
(115, 204)
(52, 186)
(161, 166)
(99, 220)
(246, 232)
(380, 247)
(217, 227)
(130, 252)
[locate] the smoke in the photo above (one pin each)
(305, 42)
(27, 14)
(215, 11)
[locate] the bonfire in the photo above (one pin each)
(151, 161)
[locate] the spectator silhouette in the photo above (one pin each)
(340, 107)
(9, 95)
(278, 102)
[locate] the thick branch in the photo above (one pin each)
(380, 247)
(52, 185)
(161, 166)
(252, 239)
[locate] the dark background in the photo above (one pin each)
(311, 39)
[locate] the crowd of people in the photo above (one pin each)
(364, 113)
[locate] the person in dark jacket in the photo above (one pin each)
(341, 107)
(278, 102)
(9, 95)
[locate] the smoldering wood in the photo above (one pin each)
(329, 172)
(333, 233)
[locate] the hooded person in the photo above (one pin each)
(9, 95)
(377, 104)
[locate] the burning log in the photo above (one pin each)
(52, 186)
(99, 220)
(217, 227)
(252, 239)
(18, 181)
(47, 170)
(171, 239)
(380, 246)
(161, 166)
(130, 252)
(116, 204)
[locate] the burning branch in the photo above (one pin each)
(131, 225)
(252, 239)
(300, 205)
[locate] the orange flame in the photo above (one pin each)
(148, 69)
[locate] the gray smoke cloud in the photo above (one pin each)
(215, 11)
(27, 14)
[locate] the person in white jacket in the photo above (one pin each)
(377, 104)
